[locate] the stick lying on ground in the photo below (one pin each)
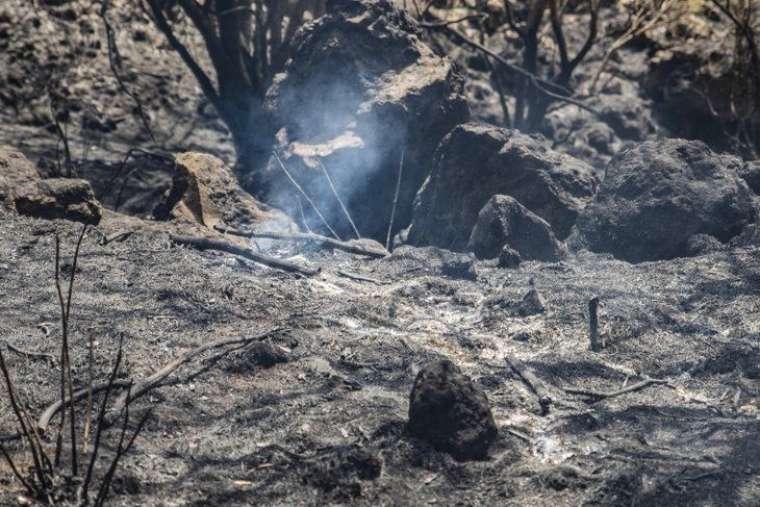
(149, 383)
(595, 396)
(534, 384)
(376, 253)
(224, 246)
(139, 389)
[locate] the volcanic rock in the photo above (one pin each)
(204, 190)
(504, 221)
(355, 112)
(703, 244)
(508, 258)
(658, 195)
(750, 173)
(475, 162)
(58, 198)
(15, 171)
(450, 412)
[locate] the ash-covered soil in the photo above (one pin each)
(317, 416)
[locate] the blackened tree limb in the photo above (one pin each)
(547, 88)
(200, 75)
(376, 253)
(152, 381)
(224, 246)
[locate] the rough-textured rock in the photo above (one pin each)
(750, 173)
(204, 190)
(433, 261)
(749, 237)
(15, 171)
(475, 162)
(450, 412)
(504, 221)
(531, 304)
(658, 195)
(58, 198)
(508, 258)
(626, 113)
(703, 244)
(354, 109)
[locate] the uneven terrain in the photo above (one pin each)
(239, 430)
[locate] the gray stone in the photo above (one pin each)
(475, 162)
(353, 109)
(661, 193)
(505, 222)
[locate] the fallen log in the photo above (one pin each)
(224, 246)
(376, 253)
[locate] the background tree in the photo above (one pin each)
(247, 43)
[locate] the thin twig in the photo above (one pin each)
(152, 381)
(395, 199)
(543, 86)
(596, 396)
(30, 355)
(305, 195)
(360, 278)
(101, 418)
(340, 201)
(114, 61)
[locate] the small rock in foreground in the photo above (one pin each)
(450, 412)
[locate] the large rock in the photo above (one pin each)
(15, 171)
(658, 195)
(751, 174)
(475, 162)
(450, 412)
(58, 198)
(505, 222)
(205, 191)
(354, 109)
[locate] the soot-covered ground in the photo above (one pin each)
(316, 415)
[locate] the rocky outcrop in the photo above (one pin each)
(750, 173)
(58, 198)
(354, 111)
(24, 192)
(658, 195)
(475, 162)
(450, 412)
(505, 222)
(205, 191)
(15, 171)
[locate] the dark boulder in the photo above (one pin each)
(750, 173)
(450, 412)
(703, 244)
(508, 258)
(658, 195)
(504, 221)
(475, 162)
(431, 261)
(353, 110)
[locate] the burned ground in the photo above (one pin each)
(327, 425)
